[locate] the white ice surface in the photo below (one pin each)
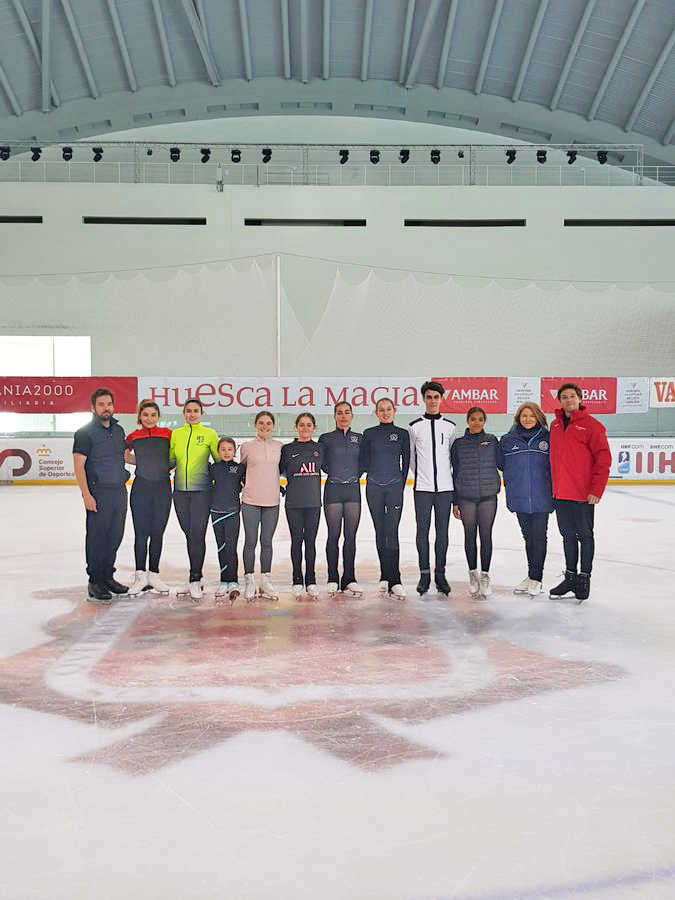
(568, 791)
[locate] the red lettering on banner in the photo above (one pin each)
(332, 400)
(204, 391)
(360, 397)
(224, 391)
(665, 391)
(64, 394)
(598, 394)
(462, 393)
(286, 401)
(306, 396)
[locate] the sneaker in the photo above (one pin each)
(424, 583)
(566, 588)
(298, 590)
(222, 589)
(155, 583)
(115, 587)
(398, 592)
(583, 588)
(383, 587)
(474, 582)
(98, 593)
(249, 587)
(313, 591)
(485, 587)
(140, 583)
(195, 589)
(523, 587)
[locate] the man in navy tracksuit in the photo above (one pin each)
(431, 438)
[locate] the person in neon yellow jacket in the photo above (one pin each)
(192, 446)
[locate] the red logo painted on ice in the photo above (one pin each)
(331, 673)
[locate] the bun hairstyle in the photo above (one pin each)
(193, 400)
(264, 412)
(306, 415)
(476, 409)
(146, 404)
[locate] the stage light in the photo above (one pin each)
(36, 153)
(235, 156)
(602, 157)
(404, 155)
(4, 153)
(266, 155)
(510, 157)
(344, 156)
(571, 157)
(67, 154)
(374, 157)
(98, 153)
(174, 153)
(541, 156)
(435, 157)
(148, 152)
(206, 154)
(460, 154)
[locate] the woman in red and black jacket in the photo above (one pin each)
(148, 450)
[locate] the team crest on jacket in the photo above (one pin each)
(354, 439)
(200, 438)
(543, 445)
(189, 679)
(393, 437)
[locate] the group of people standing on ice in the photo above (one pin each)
(564, 469)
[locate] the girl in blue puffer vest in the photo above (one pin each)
(525, 452)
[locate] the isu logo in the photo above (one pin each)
(333, 674)
(22, 455)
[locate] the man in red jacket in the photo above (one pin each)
(580, 461)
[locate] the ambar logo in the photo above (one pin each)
(26, 461)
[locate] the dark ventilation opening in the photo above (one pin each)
(308, 223)
(465, 223)
(21, 220)
(140, 220)
(618, 223)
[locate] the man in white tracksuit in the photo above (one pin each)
(431, 438)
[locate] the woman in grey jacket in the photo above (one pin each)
(475, 461)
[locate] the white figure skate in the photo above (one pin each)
(233, 591)
(534, 588)
(523, 587)
(156, 584)
(332, 588)
(267, 589)
(397, 592)
(249, 587)
(195, 591)
(383, 587)
(485, 587)
(140, 584)
(313, 591)
(354, 588)
(474, 582)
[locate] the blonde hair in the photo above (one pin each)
(146, 404)
(536, 411)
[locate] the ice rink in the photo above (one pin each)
(347, 749)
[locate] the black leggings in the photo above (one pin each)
(150, 507)
(534, 527)
(226, 531)
(337, 514)
(192, 509)
(303, 523)
(441, 503)
(478, 517)
(386, 505)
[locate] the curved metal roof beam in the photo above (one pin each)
(447, 40)
(285, 38)
(245, 40)
(33, 44)
(122, 44)
(616, 56)
(200, 37)
(367, 32)
(649, 84)
(489, 43)
(534, 34)
(81, 51)
(405, 43)
(325, 70)
(667, 138)
(164, 42)
(571, 56)
(9, 91)
(304, 42)
(46, 55)
(432, 12)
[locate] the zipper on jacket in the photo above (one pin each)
(433, 453)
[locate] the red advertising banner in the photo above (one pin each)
(491, 394)
(599, 393)
(64, 394)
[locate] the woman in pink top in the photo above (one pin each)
(260, 503)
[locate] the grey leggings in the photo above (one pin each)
(264, 518)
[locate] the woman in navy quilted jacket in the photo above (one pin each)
(475, 461)
(525, 452)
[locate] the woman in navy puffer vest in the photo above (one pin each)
(475, 460)
(525, 452)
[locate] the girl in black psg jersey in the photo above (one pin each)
(385, 456)
(301, 462)
(148, 450)
(342, 498)
(227, 479)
